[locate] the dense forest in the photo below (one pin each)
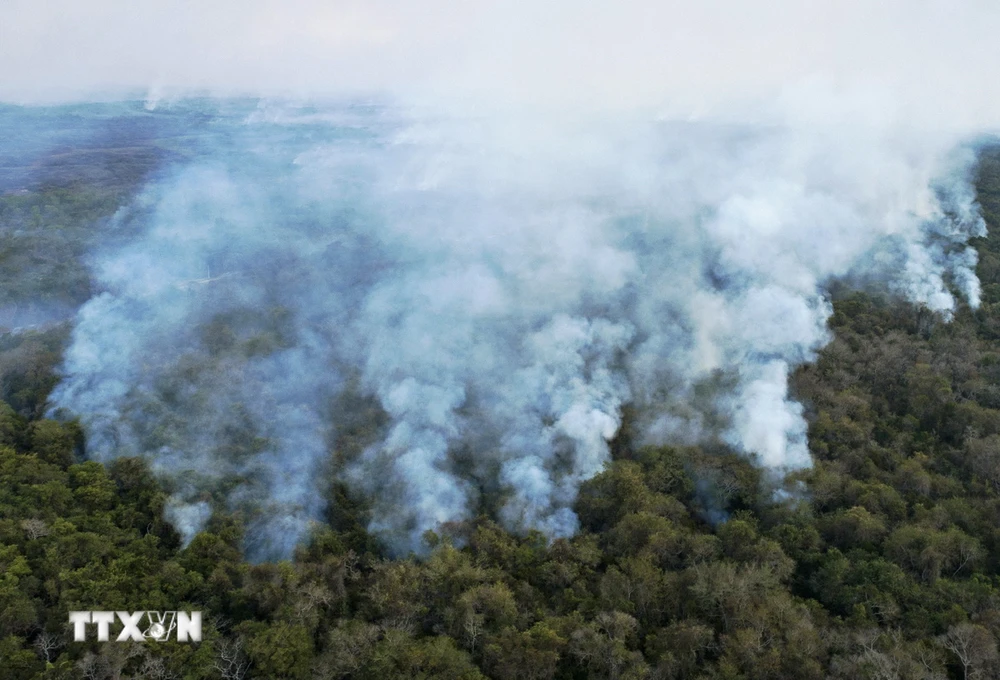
(881, 561)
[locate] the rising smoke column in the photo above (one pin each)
(501, 287)
(188, 358)
(212, 349)
(633, 263)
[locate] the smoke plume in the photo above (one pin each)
(500, 286)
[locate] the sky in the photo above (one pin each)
(928, 62)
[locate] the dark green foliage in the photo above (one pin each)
(881, 561)
(28, 363)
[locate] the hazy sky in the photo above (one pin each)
(928, 60)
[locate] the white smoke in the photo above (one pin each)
(502, 286)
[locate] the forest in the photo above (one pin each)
(883, 561)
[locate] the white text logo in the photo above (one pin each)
(139, 626)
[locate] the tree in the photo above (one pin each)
(347, 650)
(54, 442)
(973, 646)
(533, 654)
(47, 644)
(278, 650)
(604, 646)
(481, 610)
(16, 662)
(680, 648)
(35, 528)
(398, 655)
(231, 660)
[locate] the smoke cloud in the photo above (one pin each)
(500, 287)
(532, 218)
